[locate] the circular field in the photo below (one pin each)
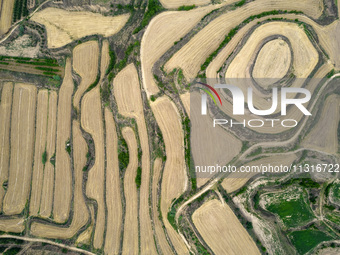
(272, 62)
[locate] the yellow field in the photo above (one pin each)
(113, 195)
(6, 13)
(163, 30)
(5, 116)
(80, 212)
(64, 27)
(129, 101)
(272, 62)
(105, 58)
(14, 225)
(63, 175)
(174, 176)
(190, 57)
(305, 55)
(318, 138)
(85, 63)
(236, 181)
(221, 229)
(40, 147)
(130, 239)
(185, 98)
(160, 235)
(177, 3)
(48, 180)
(92, 123)
(85, 237)
(22, 142)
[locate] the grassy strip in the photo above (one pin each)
(186, 7)
(138, 179)
(154, 7)
(48, 69)
(123, 154)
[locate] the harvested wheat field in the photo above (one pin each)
(92, 123)
(85, 63)
(22, 144)
(113, 194)
(48, 179)
(165, 29)
(63, 175)
(130, 237)
(80, 212)
(174, 176)
(128, 96)
(6, 13)
(221, 229)
(105, 58)
(40, 150)
(320, 140)
(177, 3)
(192, 55)
(5, 125)
(185, 98)
(85, 236)
(159, 231)
(272, 62)
(305, 55)
(63, 27)
(13, 225)
(235, 181)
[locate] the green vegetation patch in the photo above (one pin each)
(290, 206)
(123, 154)
(335, 193)
(186, 7)
(138, 178)
(305, 240)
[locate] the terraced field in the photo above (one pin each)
(104, 133)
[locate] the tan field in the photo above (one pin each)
(6, 13)
(80, 212)
(177, 3)
(292, 113)
(236, 181)
(63, 175)
(64, 27)
(190, 57)
(221, 229)
(85, 63)
(22, 144)
(5, 124)
(318, 138)
(128, 96)
(48, 179)
(40, 147)
(14, 225)
(305, 55)
(174, 176)
(130, 238)
(222, 56)
(92, 123)
(159, 231)
(85, 237)
(272, 62)
(105, 58)
(163, 30)
(113, 195)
